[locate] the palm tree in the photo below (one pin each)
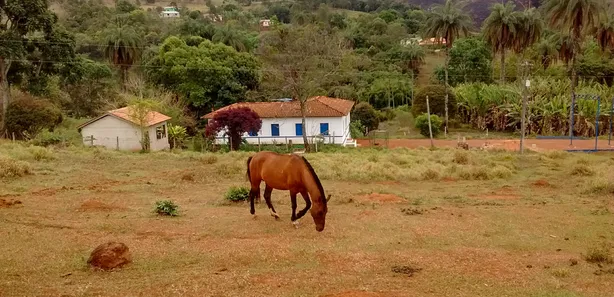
(574, 18)
(500, 30)
(230, 37)
(605, 30)
(547, 50)
(447, 22)
(529, 31)
(122, 47)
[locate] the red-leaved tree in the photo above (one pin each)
(235, 121)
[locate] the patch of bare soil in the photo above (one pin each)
(382, 198)
(505, 193)
(448, 179)
(95, 205)
(541, 183)
(362, 294)
(8, 203)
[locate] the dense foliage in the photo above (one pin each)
(422, 124)
(26, 116)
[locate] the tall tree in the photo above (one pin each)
(20, 18)
(501, 29)
(574, 18)
(546, 50)
(302, 59)
(122, 46)
(447, 22)
(604, 32)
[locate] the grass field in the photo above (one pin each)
(470, 223)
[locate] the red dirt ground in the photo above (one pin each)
(385, 198)
(360, 294)
(8, 203)
(512, 144)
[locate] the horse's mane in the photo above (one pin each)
(315, 177)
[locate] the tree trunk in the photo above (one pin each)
(122, 75)
(235, 141)
(502, 78)
(304, 125)
(447, 89)
(5, 90)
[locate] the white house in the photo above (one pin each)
(170, 12)
(116, 129)
(327, 119)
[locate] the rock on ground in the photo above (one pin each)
(110, 255)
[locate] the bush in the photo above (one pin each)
(357, 129)
(12, 168)
(27, 116)
(166, 208)
(46, 138)
(599, 254)
(367, 115)
(436, 94)
(237, 194)
(386, 114)
(422, 123)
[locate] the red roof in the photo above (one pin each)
(153, 117)
(316, 107)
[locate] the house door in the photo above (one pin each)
(324, 128)
(274, 129)
(299, 129)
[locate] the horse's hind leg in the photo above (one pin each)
(253, 194)
(267, 197)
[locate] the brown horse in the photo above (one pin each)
(287, 172)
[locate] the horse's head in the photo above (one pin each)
(318, 212)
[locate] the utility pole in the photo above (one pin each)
(525, 93)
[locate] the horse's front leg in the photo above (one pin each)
(293, 200)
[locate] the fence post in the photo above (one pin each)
(13, 136)
(258, 143)
(92, 140)
(117, 144)
(428, 111)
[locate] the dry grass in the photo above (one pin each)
(482, 224)
(10, 168)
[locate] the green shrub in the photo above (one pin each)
(47, 138)
(386, 114)
(41, 153)
(367, 115)
(436, 94)
(357, 129)
(422, 123)
(177, 136)
(166, 208)
(27, 116)
(237, 194)
(10, 168)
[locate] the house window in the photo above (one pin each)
(299, 129)
(253, 133)
(274, 129)
(161, 132)
(324, 128)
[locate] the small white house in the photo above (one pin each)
(170, 12)
(327, 120)
(116, 129)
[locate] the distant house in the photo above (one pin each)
(116, 129)
(170, 12)
(265, 25)
(328, 119)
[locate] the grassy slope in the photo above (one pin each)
(489, 217)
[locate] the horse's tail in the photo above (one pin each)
(249, 178)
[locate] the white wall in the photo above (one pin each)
(338, 127)
(162, 143)
(110, 131)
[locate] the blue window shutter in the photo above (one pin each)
(274, 129)
(324, 128)
(299, 129)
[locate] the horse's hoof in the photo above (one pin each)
(275, 215)
(254, 217)
(295, 223)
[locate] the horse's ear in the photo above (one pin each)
(328, 198)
